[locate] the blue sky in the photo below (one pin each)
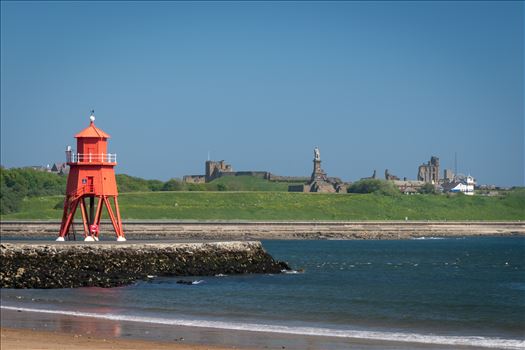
(375, 85)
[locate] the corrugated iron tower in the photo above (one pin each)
(92, 178)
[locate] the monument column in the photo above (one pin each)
(318, 173)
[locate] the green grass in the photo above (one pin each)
(295, 206)
(248, 183)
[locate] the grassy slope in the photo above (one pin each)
(249, 183)
(295, 206)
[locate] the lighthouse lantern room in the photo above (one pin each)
(91, 184)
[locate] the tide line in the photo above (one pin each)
(487, 342)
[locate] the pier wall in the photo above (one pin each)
(79, 264)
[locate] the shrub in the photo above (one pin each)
(374, 186)
(428, 188)
(173, 185)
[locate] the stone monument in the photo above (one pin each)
(318, 174)
(319, 181)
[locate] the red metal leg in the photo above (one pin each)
(84, 216)
(70, 217)
(119, 219)
(111, 216)
(98, 214)
(64, 217)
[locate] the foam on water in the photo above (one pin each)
(487, 342)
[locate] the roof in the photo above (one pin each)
(92, 131)
(447, 187)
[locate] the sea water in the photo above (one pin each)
(451, 291)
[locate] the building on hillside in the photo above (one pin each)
(194, 179)
(60, 168)
(464, 185)
(389, 176)
(216, 169)
(448, 175)
(429, 172)
(408, 186)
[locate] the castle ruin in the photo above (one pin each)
(216, 169)
(429, 172)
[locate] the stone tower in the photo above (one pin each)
(429, 172)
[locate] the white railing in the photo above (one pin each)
(91, 157)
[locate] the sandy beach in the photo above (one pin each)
(34, 330)
(22, 339)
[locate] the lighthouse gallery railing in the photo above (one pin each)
(91, 157)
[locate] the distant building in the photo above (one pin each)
(429, 172)
(408, 186)
(216, 169)
(194, 179)
(464, 185)
(448, 175)
(389, 176)
(60, 168)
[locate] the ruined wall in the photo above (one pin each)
(194, 179)
(214, 169)
(429, 172)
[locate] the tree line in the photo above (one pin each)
(19, 183)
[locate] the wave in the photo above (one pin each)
(487, 342)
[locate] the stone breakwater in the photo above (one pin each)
(246, 230)
(70, 265)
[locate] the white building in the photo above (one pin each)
(464, 185)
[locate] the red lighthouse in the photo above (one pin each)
(91, 176)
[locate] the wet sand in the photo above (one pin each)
(22, 339)
(31, 330)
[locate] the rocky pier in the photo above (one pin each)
(78, 264)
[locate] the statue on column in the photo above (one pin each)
(317, 154)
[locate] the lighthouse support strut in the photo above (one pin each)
(91, 210)
(116, 224)
(84, 216)
(121, 232)
(69, 214)
(70, 210)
